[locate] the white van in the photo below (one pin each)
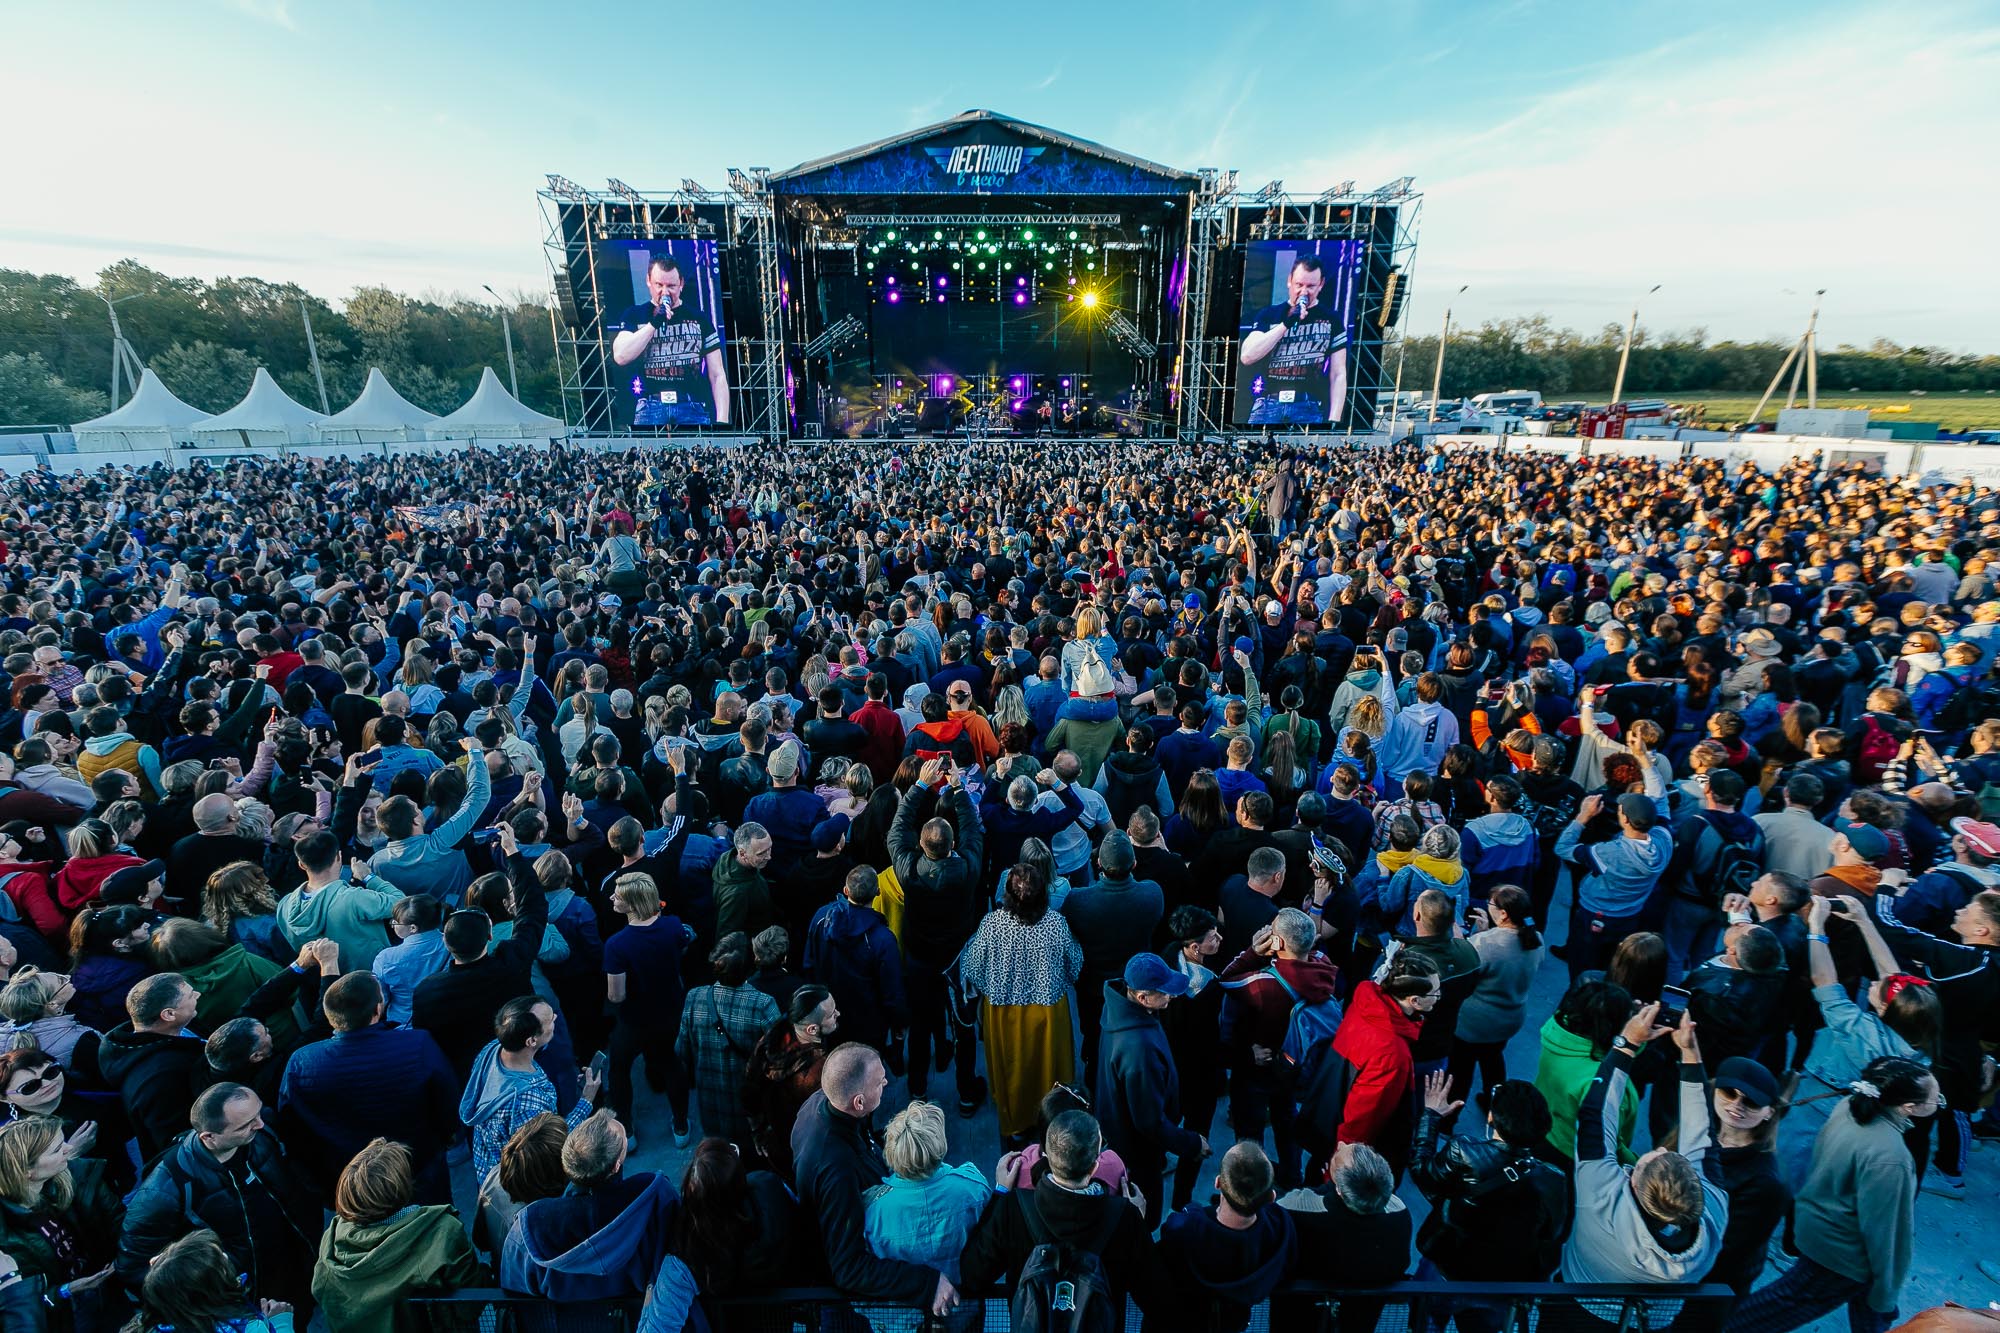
(1512, 402)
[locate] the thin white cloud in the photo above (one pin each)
(1048, 80)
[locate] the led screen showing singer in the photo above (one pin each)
(667, 348)
(1298, 317)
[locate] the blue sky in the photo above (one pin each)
(1571, 154)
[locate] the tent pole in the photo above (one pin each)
(312, 349)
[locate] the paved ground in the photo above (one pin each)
(1952, 1235)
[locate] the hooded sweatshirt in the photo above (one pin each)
(1619, 875)
(351, 915)
(1612, 1239)
(1375, 1039)
(1257, 1007)
(225, 982)
(1396, 899)
(1498, 849)
(121, 750)
(1357, 686)
(1239, 1268)
(603, 1243)
(365, 1270)
(498, 1100)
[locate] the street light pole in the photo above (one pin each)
(507, 330)
(1437, 372)
(1625, 353)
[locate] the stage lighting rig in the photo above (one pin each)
(846, 330)
(625, 192)
(1126, 334)
(1272, 191)
(562, 187)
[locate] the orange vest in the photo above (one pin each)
(89, 764)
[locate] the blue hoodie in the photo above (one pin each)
(1619, 875)
(1498, 849)
(600, 1244)
(498, 1100)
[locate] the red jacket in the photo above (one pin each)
(1375, 1039)
(884, 749)
(82, 878)
(27, 883)
(282, 664)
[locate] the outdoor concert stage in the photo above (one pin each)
(981, 276)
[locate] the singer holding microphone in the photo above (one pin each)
(1299, 350)
(682, 382)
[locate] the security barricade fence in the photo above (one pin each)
(1296, 1307)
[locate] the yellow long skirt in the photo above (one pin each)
(1029, 1049)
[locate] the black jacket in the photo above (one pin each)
(1171, 873)
(456, 1006)
(834, 1165)
(1000, 1242)
(940, 884)
(1497, 1214)
(260, 1208)
(157, 1076)
(1130, 781)
(1136, 1089)
(1758, 1201)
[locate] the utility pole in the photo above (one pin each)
(1807, 345)
(507, 331)
(1437, 372)
(312, 350)
(124, 361)
(1625, 353)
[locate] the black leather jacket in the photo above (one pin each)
(1498, 1214)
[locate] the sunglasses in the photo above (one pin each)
(30, 1087)
(1078, 1093)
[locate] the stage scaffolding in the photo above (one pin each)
(1224, 217)
(740, 217)
(1221, 217)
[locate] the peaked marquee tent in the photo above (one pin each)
(151, 420)
(493, 412)
(267, 415)
(379, 414)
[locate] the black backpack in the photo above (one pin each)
(1063, 1288)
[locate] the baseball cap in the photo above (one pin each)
(1243, 645)
(129, 885)
(1868, 841)
(826, 834)
(611, 601)
(1149, 971)
(1742, 1075)
(1274, 607)
(1982, 837)
(784, 762)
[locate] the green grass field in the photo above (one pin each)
(1974, 410)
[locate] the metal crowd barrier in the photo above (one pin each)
(1297, 1307)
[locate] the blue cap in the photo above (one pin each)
(1243, 645)
(1149, 971)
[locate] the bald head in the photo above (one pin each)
(214, 813)
(853, 1079)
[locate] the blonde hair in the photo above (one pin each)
(1368, 717)
(1668, 1188)
(1009, 706)
(637, 894)
(22, 1143)
(915, 1143)
(1089, 622)
(29, 993)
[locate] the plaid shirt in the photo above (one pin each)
(720, 1026)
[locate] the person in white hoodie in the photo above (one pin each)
(1423, 732)
(32, 767)
(1662, 1219)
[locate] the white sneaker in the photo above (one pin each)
(682, 1134)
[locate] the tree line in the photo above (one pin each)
(1532, 353)
(205, 340)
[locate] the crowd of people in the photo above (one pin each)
(360, 855)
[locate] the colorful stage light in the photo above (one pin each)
(1020, 298)
(1015, 384)
(895, 297)
(979, 236)
(944, 281)
(1072, 235)
(1028, 235)
(1090, 300)
(892, 280)
(892, 235)
(1020, 282)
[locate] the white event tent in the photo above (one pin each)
(493, 412)
(267, 415)
(152, 419)
(379, 414)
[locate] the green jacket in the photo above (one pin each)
(225, 982)
(365, 1271)
(1090, 742)
(94, 1217)
(1563, 1074)
(351, 915)
(742, 898)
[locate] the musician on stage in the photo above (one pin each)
(1298, 351)
(682, 382)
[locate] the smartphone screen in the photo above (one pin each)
(1673, 1004)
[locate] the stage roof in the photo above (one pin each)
(983, 152)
